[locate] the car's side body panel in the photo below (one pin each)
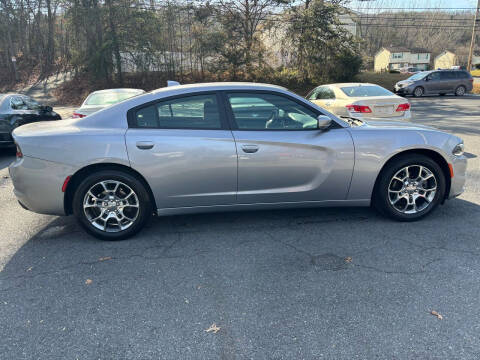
(186, 167)
(294, 166)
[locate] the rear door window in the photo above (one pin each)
(190, 112)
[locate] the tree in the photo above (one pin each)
(321, 48)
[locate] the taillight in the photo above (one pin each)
(471, 80)
(77, 115)
(359, 108)
(19, 153)
(403, 107)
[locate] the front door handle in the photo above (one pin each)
(250, 149)
(145, 145)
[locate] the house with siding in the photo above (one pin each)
(445, 60)
(396, 58)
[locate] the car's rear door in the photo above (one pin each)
(185, 150)
(287, 159)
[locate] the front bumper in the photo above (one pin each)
(38, 184)
(407, 90)
(459, 167)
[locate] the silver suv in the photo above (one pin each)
(434, 82)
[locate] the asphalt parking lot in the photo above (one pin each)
(291, 284)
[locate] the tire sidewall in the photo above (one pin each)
(415, 91)
(460, 87)
(145, 206)
(381, 200)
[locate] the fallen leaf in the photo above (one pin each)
(213, 328)
(105, 258)
(88, 282)
(348, 259)
(439, 316)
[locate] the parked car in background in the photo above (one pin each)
(409, 70)
(100, 99)
(361, 100)
(228, 146)
(17, 110)
(436, 82)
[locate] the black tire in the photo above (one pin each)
(418, 91)
(460, 90)
(381, 196)
(143, 201)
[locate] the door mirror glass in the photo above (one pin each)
(47, 108)
(323, 122)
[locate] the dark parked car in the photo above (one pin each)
(17, 110)
(436, 82)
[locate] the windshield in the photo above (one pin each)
(365, 90)
(110, 97)
(418, 76)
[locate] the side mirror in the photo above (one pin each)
(427, 78)
(323, 122)
(46, 108)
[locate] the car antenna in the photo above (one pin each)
(172, 83)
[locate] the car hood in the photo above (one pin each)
(405, 82)
(400, 125)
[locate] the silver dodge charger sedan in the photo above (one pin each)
(228, 146)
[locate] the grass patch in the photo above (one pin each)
(386, 80)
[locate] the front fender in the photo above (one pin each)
(373, 149)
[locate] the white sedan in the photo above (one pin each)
(361, 100)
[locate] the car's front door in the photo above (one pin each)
(434, 83)
(282, 155)
(185, 150)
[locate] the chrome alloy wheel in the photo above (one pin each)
(412, 189)
(111, 206)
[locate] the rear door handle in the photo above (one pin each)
(250, 149)
(145, 145)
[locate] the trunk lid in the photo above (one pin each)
(382, 106)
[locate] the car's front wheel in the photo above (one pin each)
(418, 91)
(112, 205)
(409, 188)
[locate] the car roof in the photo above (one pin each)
(117, 90)
(219, 86)
(350, 84)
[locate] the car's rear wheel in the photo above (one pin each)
(460, 90)
(409, 188)
(112, 205)
(418, 91)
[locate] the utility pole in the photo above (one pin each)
(472, 42)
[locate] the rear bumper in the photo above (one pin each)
(407, 115)
(6, 140)
(459, 167)
(38, 184)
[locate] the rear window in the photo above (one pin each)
(365, 90)
(109, 98)
(462, 74)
